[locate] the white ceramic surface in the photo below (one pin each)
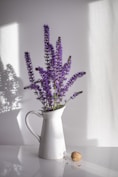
(22, 161)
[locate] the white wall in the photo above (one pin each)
(102, 81)
(76, 21)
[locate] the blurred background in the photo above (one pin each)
(89, 32)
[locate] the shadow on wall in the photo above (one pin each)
(10, 89)
(10, 104)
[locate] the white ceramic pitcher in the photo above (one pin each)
(52, 142)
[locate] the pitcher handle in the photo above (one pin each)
(29, 126)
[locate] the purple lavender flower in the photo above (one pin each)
(59, 60)
(46, 45)
(51, 87)
(52, 67)
(29, 67)
(37, 89)
(72, 80)
(66, 68)
(45, 84)
(59, 52)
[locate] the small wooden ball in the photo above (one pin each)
(76, 156)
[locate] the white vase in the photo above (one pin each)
(52, 142)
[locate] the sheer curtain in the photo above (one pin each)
(102, 122)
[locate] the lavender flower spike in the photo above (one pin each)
(29, 67)
(46, 45)
(72, 80)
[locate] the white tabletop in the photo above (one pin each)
(23, 161)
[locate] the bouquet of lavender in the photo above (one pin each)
(53, 85)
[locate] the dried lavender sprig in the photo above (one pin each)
(29, 67)
(37, 89)
(74, 96)
(59, 52)
(66, 68)
(30, 73)
(45, 84)
(58, 67)
(72, 80)
(53, 63)
(46, 45)
(29, 86)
